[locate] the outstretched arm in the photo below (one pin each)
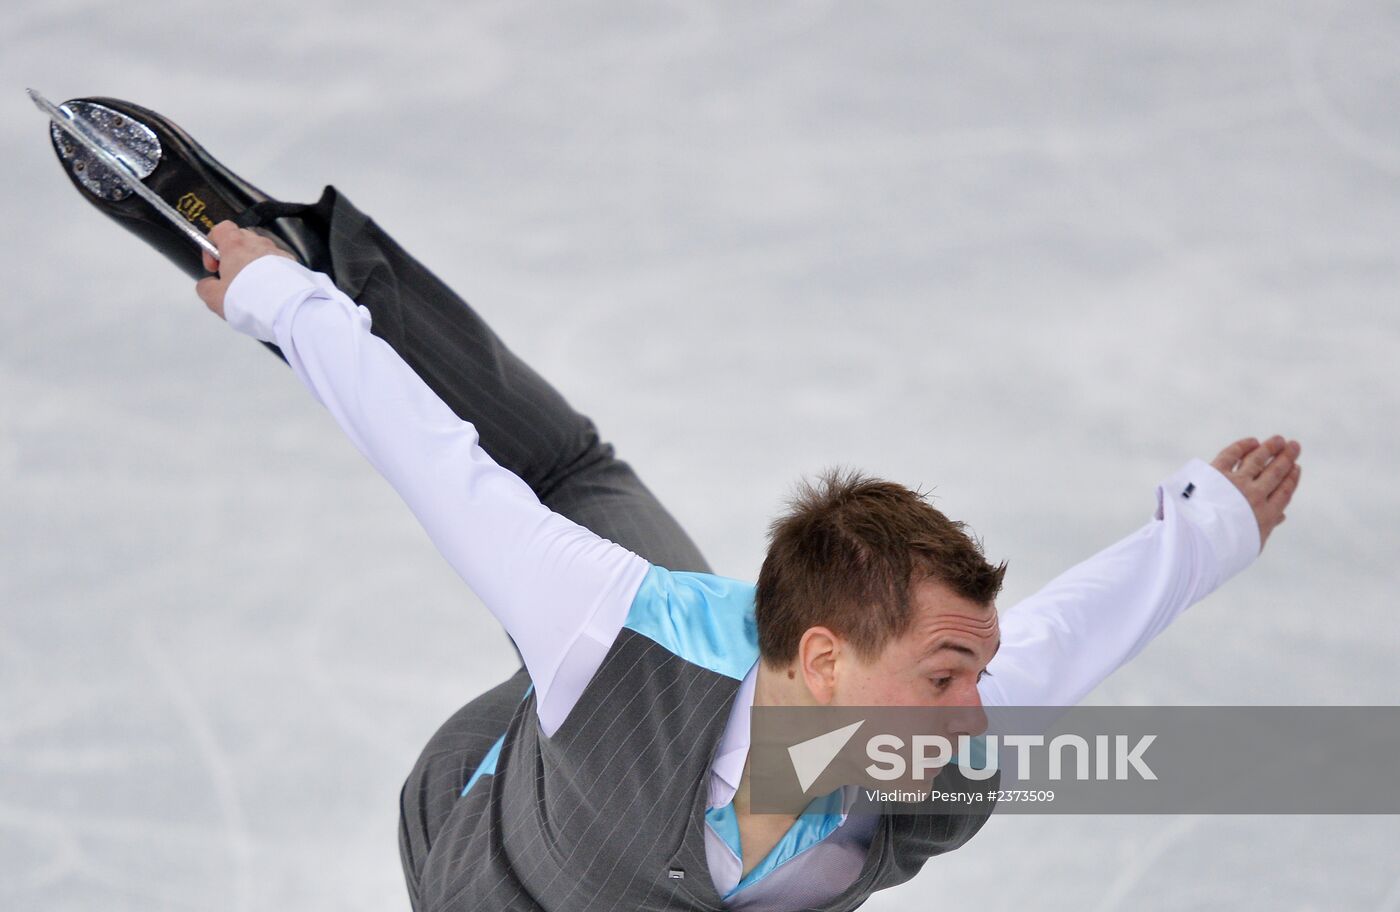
(1211, 522)
(561, 591)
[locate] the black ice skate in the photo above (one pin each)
(198, 190)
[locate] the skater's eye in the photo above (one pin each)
(942, 681)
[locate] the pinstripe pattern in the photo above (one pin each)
(522, 421)
(592, 818)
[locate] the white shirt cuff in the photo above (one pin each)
(1219, 509)
(261, 289)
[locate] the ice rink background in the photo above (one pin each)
(1033, 256)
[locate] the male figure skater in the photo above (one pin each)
(610, 772)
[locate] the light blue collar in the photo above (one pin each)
(817, 821)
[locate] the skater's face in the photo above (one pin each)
(937, 662)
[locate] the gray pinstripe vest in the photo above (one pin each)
(609, 813)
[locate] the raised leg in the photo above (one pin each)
(523, 422)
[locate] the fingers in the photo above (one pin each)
(1281, 495)
(1279, 467)
(224, 232)
(1230, 457)
(206, 288)
(223, 236)
(211, 291)
(219, 235)
(1267, 474)
(237, 248)
(1252, 466)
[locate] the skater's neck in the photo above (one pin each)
(773, 686)
(781, 686)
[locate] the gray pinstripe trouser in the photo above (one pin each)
(527, 427)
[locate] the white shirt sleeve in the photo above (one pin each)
(1058, 644)
(561, 591)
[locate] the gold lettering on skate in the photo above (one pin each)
(190, 206)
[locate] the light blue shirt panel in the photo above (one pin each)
(816, 822)
(705, 619)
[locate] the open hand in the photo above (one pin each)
(237, 248)
(1266, 473)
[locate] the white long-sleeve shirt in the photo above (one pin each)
(563, 593)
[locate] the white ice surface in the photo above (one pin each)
(1031, 255)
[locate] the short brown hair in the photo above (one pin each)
(845, 555)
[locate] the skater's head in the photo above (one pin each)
(869, 596)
